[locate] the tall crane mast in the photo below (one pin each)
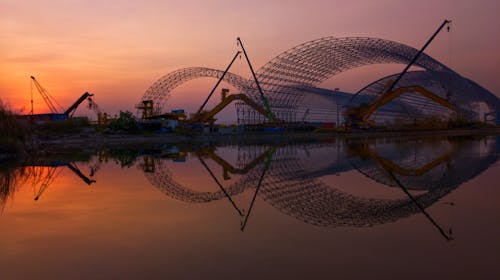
(51, 101)
(47, 97)
(265, 101)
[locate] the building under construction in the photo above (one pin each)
(291, 81)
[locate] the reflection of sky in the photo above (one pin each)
(116, 49)
(124, 228)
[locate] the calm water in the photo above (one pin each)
(405, 208)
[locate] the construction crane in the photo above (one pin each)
(208, 116)
(262, 96)
(72, 109)
(52, 102)
(226, 99)
(47, 97)
(358, 116)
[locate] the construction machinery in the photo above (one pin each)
(150, 111)
(358, 117)
(226, 99)
(52, 102)
(202, 116)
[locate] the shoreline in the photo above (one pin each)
(98, 140)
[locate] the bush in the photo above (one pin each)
(125, 122)
(72, 125)
(12, 133)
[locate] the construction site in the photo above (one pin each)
(285, 93)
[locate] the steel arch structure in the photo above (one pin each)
(286, 78)
(461, 92)
(160, 91)
(312, 63)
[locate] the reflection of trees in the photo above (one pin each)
(10, 180)
(124, 157)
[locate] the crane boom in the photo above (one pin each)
(445, 22)
(270, 115)
(218, 82)
(49, 100)
(390, 95)
(72, 109)
(226, 100)
(363, 113)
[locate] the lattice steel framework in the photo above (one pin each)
(161, 90)
(285, 78)
(459, 91)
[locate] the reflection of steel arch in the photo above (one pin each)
(304, 198)
(314, 202)
(162, 179)
(293, 191)
(159, 92)
(468, 160)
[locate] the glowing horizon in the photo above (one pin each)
(117, 50)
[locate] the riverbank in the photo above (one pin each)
(99, 140)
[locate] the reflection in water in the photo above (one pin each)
(288, 177)
(291, 177)
(38, 174)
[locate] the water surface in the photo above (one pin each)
(345, 209)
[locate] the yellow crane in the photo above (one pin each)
(359, 116)
(226, 99)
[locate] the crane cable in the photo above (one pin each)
(450, 51)
(31, 94)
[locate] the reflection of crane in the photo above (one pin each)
(42, 179)
(245, 170)
(259, 184)
(422, 209)
(292, 190)
(365, 151)
(44, 175)
(391, 168)
(51, 101)
(228, 168)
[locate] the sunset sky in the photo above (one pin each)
(117, 49)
